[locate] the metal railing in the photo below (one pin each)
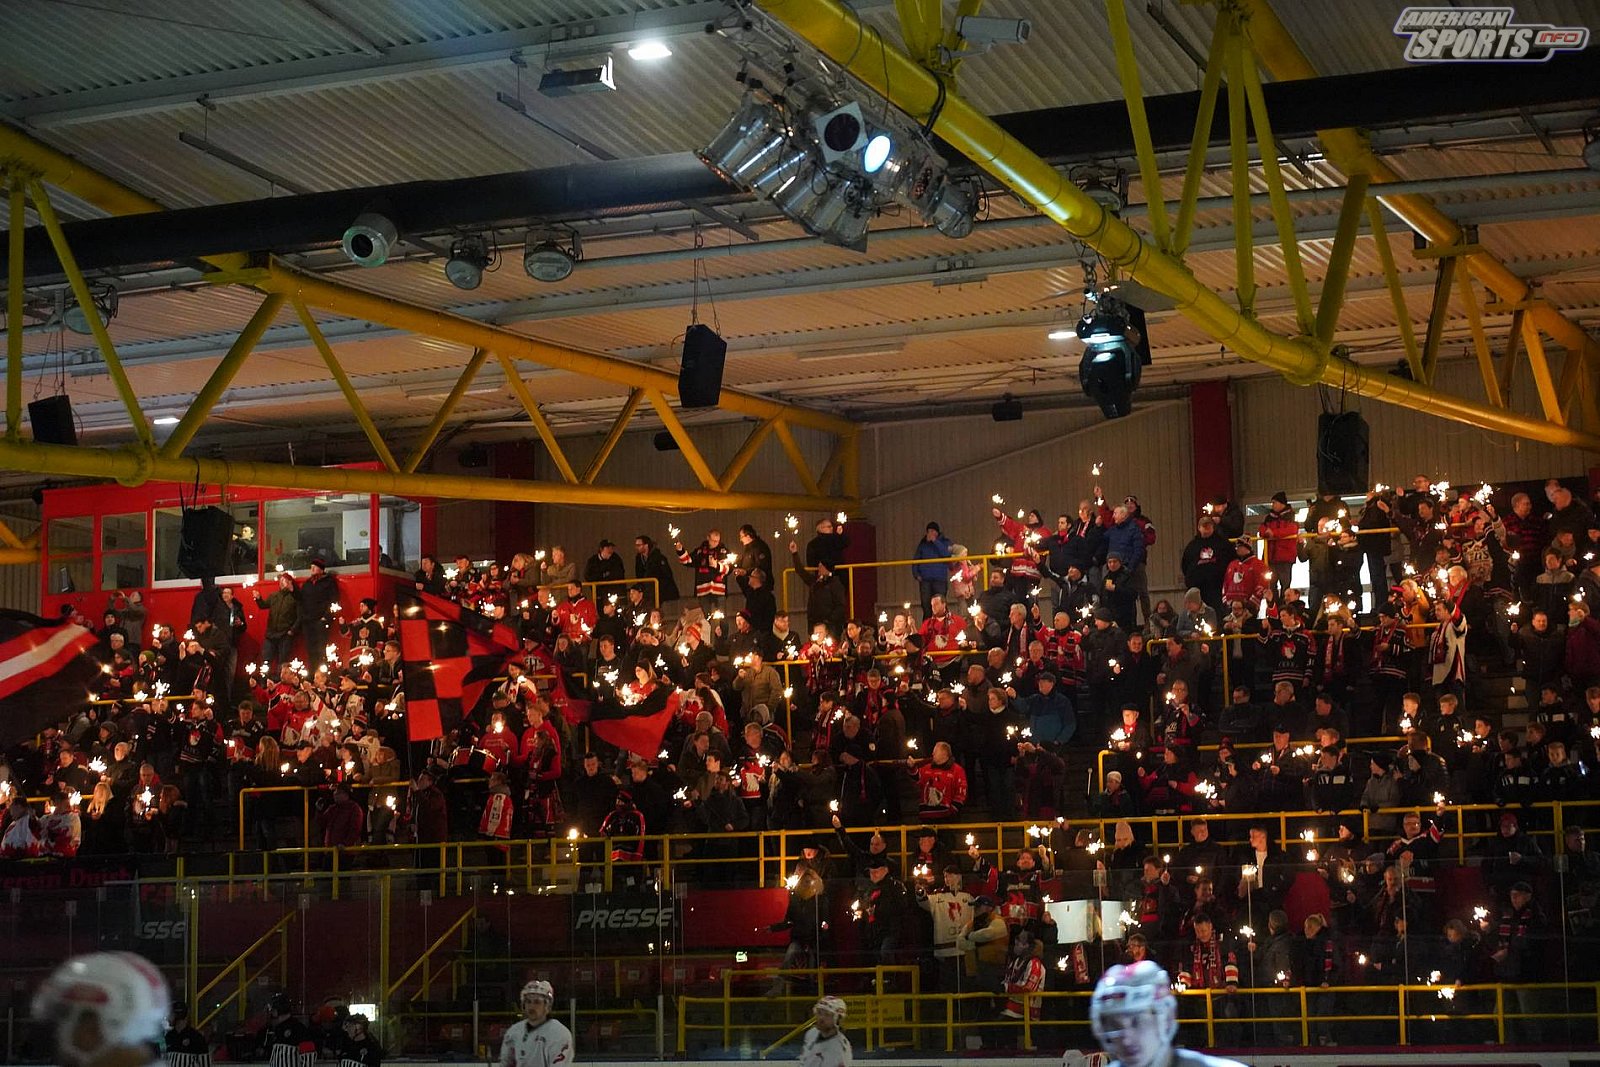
(849, 569)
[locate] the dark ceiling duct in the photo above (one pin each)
(1079, 133)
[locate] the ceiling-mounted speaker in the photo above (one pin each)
(700, 374)
(665, 442)
(53, 422)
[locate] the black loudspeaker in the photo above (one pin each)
(700, 378)
(665, 442)
(1342, 457)
(52, 420)
(203, 545)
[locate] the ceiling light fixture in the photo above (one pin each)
(547, 261)
(469, 258)
(649, 51)
(165, 420)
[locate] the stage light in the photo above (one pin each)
(952, 209)
(876, 154)
(76, 318)
(547, 261)
(748, 144)
(842, 132)
(469, 258)
(1111, 366)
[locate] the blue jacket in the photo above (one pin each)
(1052, 717)
(931, 572)
(1126, 539)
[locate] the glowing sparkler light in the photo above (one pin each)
(998, 499)
(673, 531)
(1094, 469)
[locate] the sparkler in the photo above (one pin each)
(1282, 977)
(573, 833)
(147, 797)
(1094, 469)
(673, 531)
(833, 806)
(971, 840)
(911, 743)
(998, 499)
(1247, 932)
(390, 802)
(883, 617)
(839, 518)
(1094, 847)
(1480, 914)
(97, 765)
(1438, 798)
(1361, 958)
(791, 881)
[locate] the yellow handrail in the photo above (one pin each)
(237, 964)
(422, 961)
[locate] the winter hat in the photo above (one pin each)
(1104, 614)
(876, 860)
(1114, 556)
(935, 528)
(1281, 497)
(1382, 760)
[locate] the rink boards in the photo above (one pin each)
(1325, 1058)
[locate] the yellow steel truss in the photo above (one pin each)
(839, 33)
(29, 164)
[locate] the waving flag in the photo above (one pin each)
(448, 654)
(635, 727)
(44, 672)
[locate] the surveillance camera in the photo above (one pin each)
(369, 239)
(982, 30)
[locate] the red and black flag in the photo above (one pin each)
(45, 672)
(449, 655)
(635, 727)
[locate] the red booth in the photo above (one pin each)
(102, 542)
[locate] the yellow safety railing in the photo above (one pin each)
(937, 1022)
(1245, 746)
(556, 864)
(240, 968)
(424, 962)
(849, 569)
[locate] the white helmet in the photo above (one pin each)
(834, 1006)
(124, 992)
(537, 988)
(1130, 990)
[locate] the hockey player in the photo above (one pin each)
(109, 1010)
(289, 1041)
(537, 1040)
(1134, 1015)
(359, 1048)
(825, 1043)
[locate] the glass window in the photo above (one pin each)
(71, 535)
(122, 533)
(243, 554)
(399, 534)
(122, 551)
(334, 528)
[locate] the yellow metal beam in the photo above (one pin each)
(1438, 315)
(1350, 152)
(840, 34)
(1283, 218)
(1480, 341)
(1331, 302)
(330, 295)
(446, 409)
(363, 418)
(1391, 275)
(1539, 364)
(796, 458)
(205, 400)
(18, 221)
(9, 537)
(836, 459)
(535, 416)
(131, 467)
(86, 183)
(1239, 160)
(922, 26)
(1143, 144)
(747, 452)
(1203, 120)
(613, 436)
(80, 290)
(680, 434)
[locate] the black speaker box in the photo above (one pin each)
(700, 377)
(52, 420)
(203, 544)
(1342, 457)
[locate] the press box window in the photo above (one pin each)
(70, 544)
(124, 555)
(242, 549)
(336, 529)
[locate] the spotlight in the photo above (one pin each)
(649, 50)
(1062, 333)
(469, 258)
(1112, 363)
(369, 239)
(665, 442)
(876, 154)
(952, 208)
(547, 261)
(748, 144)
(75, 317)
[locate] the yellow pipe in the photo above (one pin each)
(130, 466)
(836, 30)
(447, 408)
(747, 452)
(206, 399)
(796, 459)
(1143, 144)
(80, 289)
(1281, 215)
(380, 447)
(14, 313)
(18, 556)
(332, 296)
(1391, 275)
(1244, 260)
